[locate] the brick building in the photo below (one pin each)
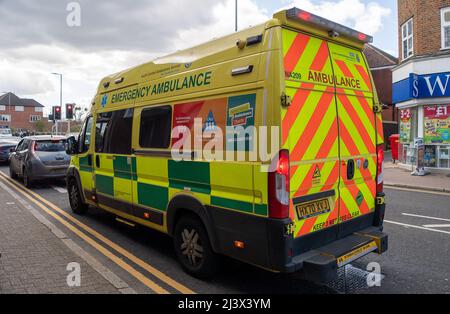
(19, 113)
(381, 65)
(421, 82)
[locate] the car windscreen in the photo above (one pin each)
(50, 146)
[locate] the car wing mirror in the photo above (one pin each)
(71, 145)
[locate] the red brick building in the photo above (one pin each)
(381, 65)
(19, 113)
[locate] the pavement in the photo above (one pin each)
(396, 176)
(37, 257)
(40, 236)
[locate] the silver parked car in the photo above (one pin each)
(39, 157)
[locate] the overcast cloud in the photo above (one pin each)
(114, 35)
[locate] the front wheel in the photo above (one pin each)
(193, 248)
(75, 199)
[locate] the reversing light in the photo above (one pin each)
(279, 187)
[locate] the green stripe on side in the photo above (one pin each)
(152, 196)
(84, 164)
(261, 209)
(120, 164)
(134, 168)
(104, 184)
(232, 204)
(192, 171)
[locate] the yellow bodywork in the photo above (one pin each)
(204, 73)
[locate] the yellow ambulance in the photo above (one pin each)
(184, 145)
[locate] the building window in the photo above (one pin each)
(2, 107)
(407, 39)
(5, 118)
(19, 108)
(37, 109)
(445, 25)
(35, 118)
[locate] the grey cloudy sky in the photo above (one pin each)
(114, 35)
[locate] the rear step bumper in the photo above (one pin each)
(322, 263)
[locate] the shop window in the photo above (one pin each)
(445, 26)
(407, 39)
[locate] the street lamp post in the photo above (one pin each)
(60, 97)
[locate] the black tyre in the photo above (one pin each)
(193, 248)
(12, 173)
(75, 198)
(27, 181)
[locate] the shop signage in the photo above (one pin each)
(422, 86)
(436, 124)
(405, 126)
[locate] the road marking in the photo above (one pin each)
(160, 275)
(417, 227)
(59, 189)
(428, 217)
(416, 190)
(146, 281)
(105, 272)
(437, 226)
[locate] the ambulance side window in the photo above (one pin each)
(155, 127)
(85, 137)
(117, 136)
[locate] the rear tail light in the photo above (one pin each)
(380, 161)
(279, 187)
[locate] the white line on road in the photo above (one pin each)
(417, 227)
(59, 189)
(391, 187)
(437, 226)
(429, 217)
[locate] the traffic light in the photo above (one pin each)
(69, 111)
(56, 113)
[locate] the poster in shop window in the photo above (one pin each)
(405, 126)
(437, 124)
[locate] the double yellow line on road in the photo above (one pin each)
(52, 210)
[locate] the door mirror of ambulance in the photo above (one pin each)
(71, 145)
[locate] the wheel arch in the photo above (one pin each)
(72, 173)
(185, 204)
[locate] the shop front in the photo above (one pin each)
(423, 101)
(435, 133)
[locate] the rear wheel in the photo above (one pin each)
(193, 248)
(27, 181)
(75, 199)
